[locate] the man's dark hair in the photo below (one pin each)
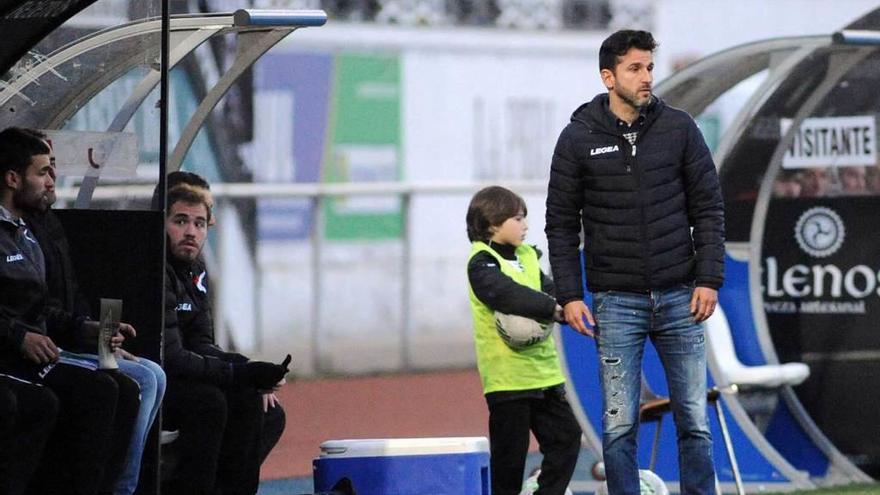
(177, 179)
(491, 207)
(620, 42)
(187, 196)
(18, 146)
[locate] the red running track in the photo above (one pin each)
(435, 404)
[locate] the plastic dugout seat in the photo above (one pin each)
(166, 436)
(732, 373)
(168, 459)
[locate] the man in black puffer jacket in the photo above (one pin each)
(637, 179)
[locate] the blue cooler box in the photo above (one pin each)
(406, 466)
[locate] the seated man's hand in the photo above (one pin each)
(260, 374)
(269, 400)
(116, 341)
(39, 348)
(127, 330)
(118, 337)
(120, 352)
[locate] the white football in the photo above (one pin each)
(519, 332)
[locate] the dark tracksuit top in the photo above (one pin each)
(187, 319)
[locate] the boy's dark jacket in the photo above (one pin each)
(636, 204)
(502, 293)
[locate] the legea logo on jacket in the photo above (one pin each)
(14, 257)
(603, 150)
(184, 307)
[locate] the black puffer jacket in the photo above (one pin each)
(635, 204)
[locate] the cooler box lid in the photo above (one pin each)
(404, 446)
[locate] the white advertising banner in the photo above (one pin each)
(832, 142)
(112, 155)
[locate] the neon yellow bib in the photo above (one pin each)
(502, 368)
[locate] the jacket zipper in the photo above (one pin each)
(644, 222)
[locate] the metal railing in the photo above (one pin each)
(317, 193)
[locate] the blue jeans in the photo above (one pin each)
(151, 379)
(623, 321)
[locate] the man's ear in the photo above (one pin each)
(11, 179)
(607, 76)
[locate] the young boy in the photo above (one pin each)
(524, 387)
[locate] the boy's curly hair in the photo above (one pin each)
(491, 207)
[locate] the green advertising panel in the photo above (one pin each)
(364, 146)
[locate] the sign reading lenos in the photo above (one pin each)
(821, 258)
(364, 146)
(832, 141)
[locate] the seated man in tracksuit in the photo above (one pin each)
(65, 296)
(96, 409)
(214, 398)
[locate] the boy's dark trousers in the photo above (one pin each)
(548, 415)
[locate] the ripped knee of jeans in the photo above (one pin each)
(611, 361)
(615, 396)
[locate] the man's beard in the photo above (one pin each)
(632, 99)
(184, 255)
(31, 201)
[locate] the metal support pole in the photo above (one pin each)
(154, 485)
(740, 490)
(405, 284)
(316, 241)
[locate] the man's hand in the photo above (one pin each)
(269, 400)
(260, 374)
(118, 338)
(122, 353)
(703, 303)
(39, 348)
(92, 328)
(575, 314)
(269, 397)
(127, 330)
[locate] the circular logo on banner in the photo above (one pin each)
(819, 231)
